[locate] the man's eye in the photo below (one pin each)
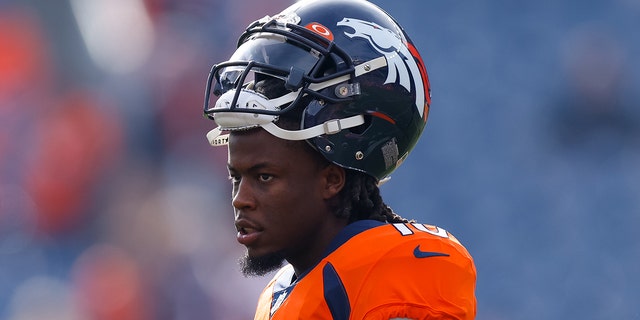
(265, 177)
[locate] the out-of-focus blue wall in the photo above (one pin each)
(531, 152)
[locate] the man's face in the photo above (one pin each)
(279, 193)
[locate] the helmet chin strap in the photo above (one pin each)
(235, 121)
(328, 127)
(216, 138)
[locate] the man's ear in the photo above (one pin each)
(334, 180)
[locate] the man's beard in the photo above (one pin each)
(259, 266)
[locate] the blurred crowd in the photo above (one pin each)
(113, 205)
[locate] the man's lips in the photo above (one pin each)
(248, 232)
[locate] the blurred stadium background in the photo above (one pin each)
(112, 205)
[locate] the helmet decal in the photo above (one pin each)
(425, 77)
(400, 60)
(321, 30)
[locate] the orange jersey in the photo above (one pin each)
(379, 271)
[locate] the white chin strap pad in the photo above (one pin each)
(247, 99)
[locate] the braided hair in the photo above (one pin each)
(360, 199)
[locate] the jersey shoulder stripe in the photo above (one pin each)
(335, 294)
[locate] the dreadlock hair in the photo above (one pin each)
(360, 197)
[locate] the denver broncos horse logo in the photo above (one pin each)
(400, 61)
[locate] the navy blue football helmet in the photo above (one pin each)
(346, 67)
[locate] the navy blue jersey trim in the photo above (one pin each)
(335, 294)
(350, 231)
(345, 234)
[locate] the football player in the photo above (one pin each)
(318, 105)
